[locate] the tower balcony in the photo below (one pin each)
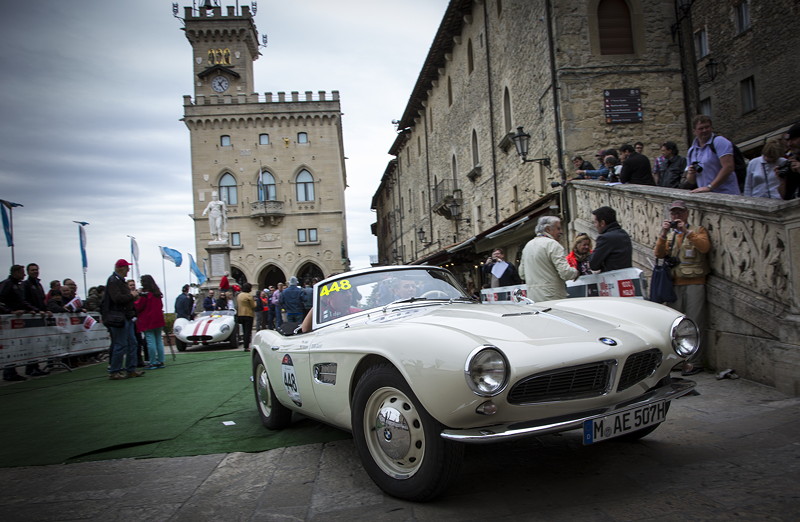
(267, 212)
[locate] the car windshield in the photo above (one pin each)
(355, 293)
(216, 313)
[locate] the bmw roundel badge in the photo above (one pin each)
(608, 340)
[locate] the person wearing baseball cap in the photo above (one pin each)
(687, 249)
(118, 313)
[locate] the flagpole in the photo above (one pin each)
(164, 279)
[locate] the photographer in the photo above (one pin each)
(686, 248)
(710, 160)
(789, 173)
(498, 272)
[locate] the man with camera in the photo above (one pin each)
(686, 249)
(710, 158)
(789, 173)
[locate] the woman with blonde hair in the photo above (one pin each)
(581, 251)
(762, 180)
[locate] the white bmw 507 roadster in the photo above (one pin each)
(415, 368)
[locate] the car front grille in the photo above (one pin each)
(639, 366)
(574, 382)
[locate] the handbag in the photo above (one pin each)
(661, 287)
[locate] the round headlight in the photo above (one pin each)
(486, 371)
(225, 328)
(177, 329)
(685, 337)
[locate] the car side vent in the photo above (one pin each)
(575, 382)
(639, 366)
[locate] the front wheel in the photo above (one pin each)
(399, 443)
(180, 345)
(233, 340)
(273, 414)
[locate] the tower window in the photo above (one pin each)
(615, 29)
(263, 139)
(224, 141)
(743, 16)
(700, 43)
(302, 137)
(748, 90)
(266, 187)
(305, 186)
(236, 239)
(227, 190)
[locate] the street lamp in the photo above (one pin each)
(521, 141)
(712, 67)
(421, 236)
(455, 206)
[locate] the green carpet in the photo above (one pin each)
(175, 411)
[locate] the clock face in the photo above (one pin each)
(219, 84)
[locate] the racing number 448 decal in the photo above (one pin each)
(290, 380)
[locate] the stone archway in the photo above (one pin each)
(309, 272)
(270, 275)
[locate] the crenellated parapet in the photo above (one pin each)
(262, 111)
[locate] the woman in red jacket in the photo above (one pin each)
(150, 320)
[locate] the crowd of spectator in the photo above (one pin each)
(712, 164)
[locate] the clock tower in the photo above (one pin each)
(268, 172)
(224, 49)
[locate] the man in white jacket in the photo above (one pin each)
(544, 264)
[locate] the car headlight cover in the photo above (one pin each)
(486, 371)
(225, 328)
(685, 337)
(177, 329)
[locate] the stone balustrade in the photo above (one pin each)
(753, 291)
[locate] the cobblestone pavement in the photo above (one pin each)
(731, 452)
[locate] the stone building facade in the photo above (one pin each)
(742, 56)
(276, 160)
(495, 66)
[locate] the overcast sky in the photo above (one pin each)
(91, 98)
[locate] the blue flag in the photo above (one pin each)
(82, 240)
(201, 277)
(7, 222)
(171, 255)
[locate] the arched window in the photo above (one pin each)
(266, 187)
(475, 158)
(615, 30)
(470, 57)
(263, 139)
(227, 190)
(305, 186)
(302, 137)
(507, 110)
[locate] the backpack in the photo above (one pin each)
(739, 164)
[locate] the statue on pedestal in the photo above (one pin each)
(217, 219)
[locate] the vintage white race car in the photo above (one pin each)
(207, 328)
(415, 368)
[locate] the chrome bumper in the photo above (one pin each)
(502, 432)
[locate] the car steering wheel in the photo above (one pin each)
(435, 294)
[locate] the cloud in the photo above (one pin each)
(93, 97)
